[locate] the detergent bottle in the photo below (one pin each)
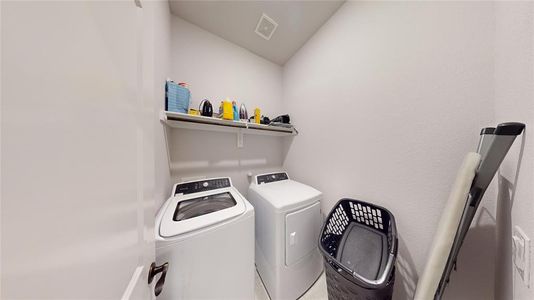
(235, 110)
(228, 111)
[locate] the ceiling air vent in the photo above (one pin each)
(266, 27)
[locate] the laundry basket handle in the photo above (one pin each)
(383, 280)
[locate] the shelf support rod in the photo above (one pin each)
(163, 119)
(240, 137)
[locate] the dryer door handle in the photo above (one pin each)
(154, 270)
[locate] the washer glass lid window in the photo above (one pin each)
(196, 207)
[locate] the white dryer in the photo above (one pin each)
(205, 230)
(288, 222)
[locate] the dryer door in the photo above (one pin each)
(302, 232)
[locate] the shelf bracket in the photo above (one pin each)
(240, 137)
(163, 119)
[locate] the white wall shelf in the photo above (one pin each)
(186, 121)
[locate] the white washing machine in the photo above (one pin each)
(205, 231)
(288, 222)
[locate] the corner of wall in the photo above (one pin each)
(161, 31)
(514, 101)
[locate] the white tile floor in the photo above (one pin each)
(316, 292)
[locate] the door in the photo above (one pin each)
(302, 232)
(76, 158)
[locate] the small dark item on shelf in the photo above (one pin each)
(205, 108)
(264, 120)
(282, 119)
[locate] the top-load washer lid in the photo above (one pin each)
(196, 210)
(283, 193)
(200, 206)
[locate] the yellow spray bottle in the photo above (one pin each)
(257, 116)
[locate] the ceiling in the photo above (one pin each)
(236, 21)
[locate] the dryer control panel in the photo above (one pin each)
(202, 186)
(266, 178)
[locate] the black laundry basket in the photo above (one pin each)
(359, 244)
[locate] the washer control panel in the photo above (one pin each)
(202, 186)
(267, 178)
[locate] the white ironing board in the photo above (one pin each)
(444, 238)
(474, 177)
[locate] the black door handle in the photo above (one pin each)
(153, 272)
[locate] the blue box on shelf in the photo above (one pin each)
(177, 97)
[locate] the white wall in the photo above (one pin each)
(215, 69)
(77, 149)
(161, 45)
(388, 97)
(514, 100)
